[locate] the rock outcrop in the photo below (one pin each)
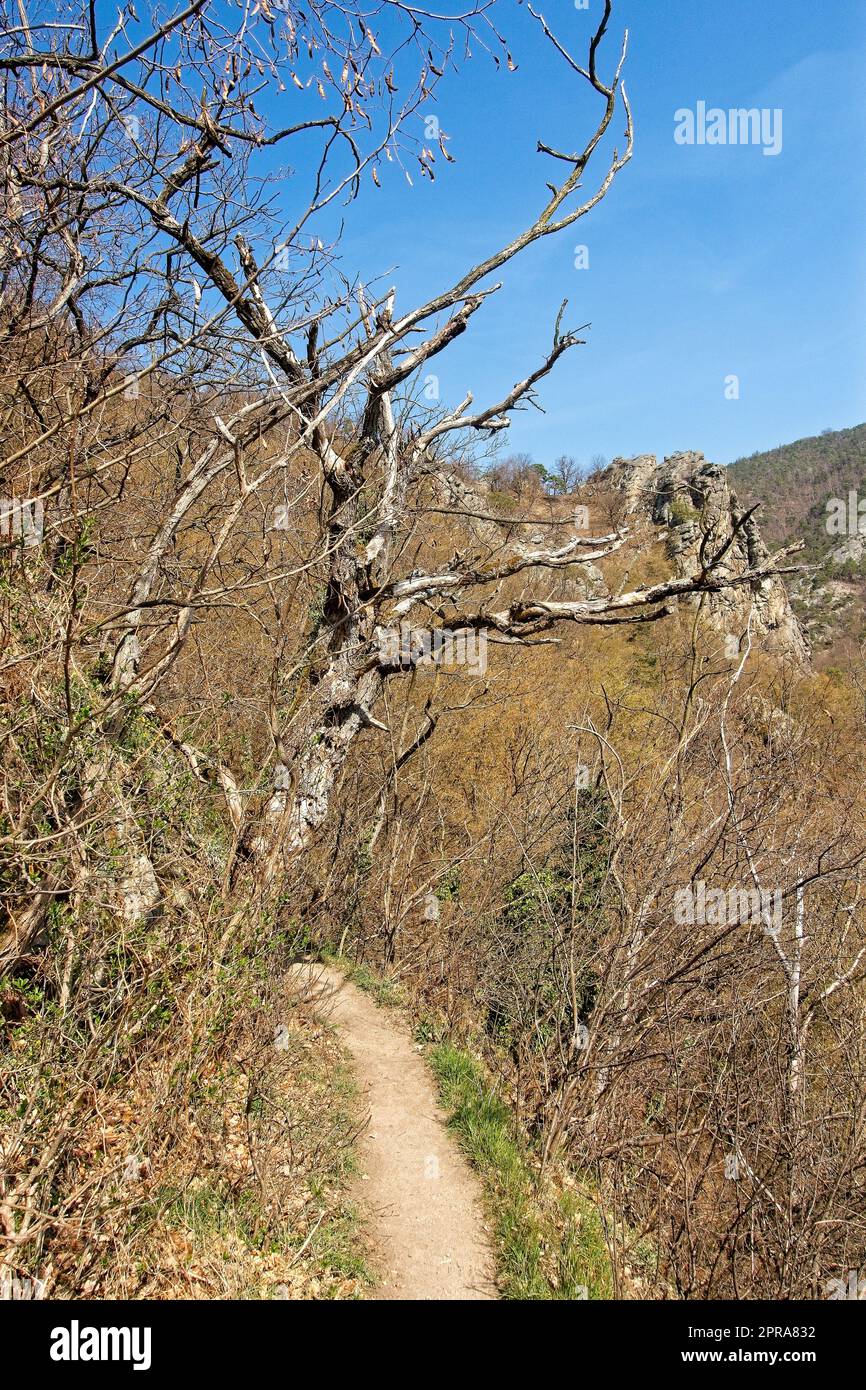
(692, 500)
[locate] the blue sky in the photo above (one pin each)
(703, 261)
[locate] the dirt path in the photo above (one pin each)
(421, 1199)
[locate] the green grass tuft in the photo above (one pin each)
(550, 1244)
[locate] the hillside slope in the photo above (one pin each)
(796, 483)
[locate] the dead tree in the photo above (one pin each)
(126, 191)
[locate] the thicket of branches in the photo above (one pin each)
(207, 733)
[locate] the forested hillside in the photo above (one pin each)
(795, 481)
(289, 675)
(813, 490)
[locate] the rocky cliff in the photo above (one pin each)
(691, 500)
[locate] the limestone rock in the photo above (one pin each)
(691, 499)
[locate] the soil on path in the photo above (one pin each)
(421, 1200)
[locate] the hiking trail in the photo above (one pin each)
(421, 1201)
